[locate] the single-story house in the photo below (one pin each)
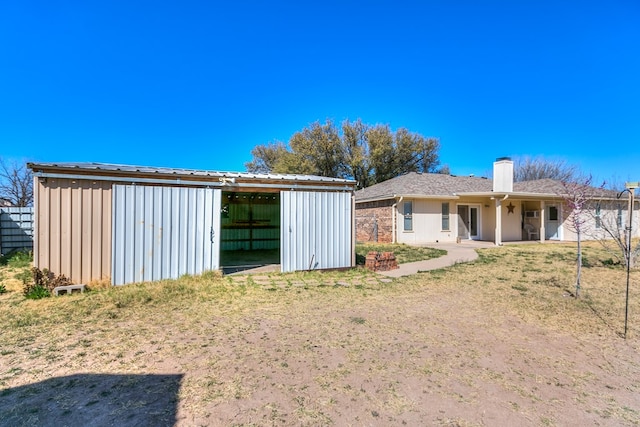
(123, 224)
(418, 208)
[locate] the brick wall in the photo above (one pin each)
(374, 221)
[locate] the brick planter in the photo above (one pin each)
(381, 261)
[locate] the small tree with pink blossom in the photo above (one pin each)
(578, 196)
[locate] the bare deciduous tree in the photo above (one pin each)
(16, 183)
(531, 168)
(613, 220)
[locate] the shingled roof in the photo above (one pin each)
(415, 184)
(424, 184)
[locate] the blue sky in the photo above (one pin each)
(197, 84)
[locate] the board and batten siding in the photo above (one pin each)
(73, 228)
(316, 230)
(164, 232)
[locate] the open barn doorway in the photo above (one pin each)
(250, 231)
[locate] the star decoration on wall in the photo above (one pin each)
(510, 208)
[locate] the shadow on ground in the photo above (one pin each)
(93, 399)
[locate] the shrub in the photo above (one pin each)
(37, 292)
(40, 283)
(610, 262)
(3, 289)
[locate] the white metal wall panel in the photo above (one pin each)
(315, 230)
(164, 232)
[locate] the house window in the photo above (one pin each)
(445, 216)
(553, 213)
(408, 216)
(598, 219)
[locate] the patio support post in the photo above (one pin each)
(498, 239)
(498, 233)
(394, 219)
(542, 221)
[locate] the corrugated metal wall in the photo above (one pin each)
(16, 228)
(73, 228)
(316, 230)
(164, 232)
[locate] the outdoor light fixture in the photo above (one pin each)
(226, 181)
(630, 187)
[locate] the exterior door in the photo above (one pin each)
(552, 222)
(164, 232)
(463, 221)
(468, 222)
(474, 218)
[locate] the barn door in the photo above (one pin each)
(315, 229)
(164, 232)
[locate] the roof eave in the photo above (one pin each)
(524, 194)
(510, 194)
(91, 170)
(406, 196)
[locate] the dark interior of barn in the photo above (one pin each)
(250, 231)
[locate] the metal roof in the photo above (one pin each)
(106, 168)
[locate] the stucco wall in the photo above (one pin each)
(608, 218)
(427, 223)
(489, 221)
(511, 222)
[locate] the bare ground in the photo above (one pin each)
(439, 348)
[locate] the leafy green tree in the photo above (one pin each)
(381, 153)
(318, 149)
(365, 153)
(266, 157)
(393, 154)
(356, 150)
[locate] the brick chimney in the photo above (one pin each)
(503, 175)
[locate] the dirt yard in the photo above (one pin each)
(497, 342)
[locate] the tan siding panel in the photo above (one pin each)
(55, 236)
(73, 219)
(87, 227)
(65, 230)
(37, 194)
(75, 224)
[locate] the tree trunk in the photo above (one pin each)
(579, 267)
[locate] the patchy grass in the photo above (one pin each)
(14, 268)
(497, 341)
(404, 253)
(17, 259)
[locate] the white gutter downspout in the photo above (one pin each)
(393, 219)
(498, 239)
